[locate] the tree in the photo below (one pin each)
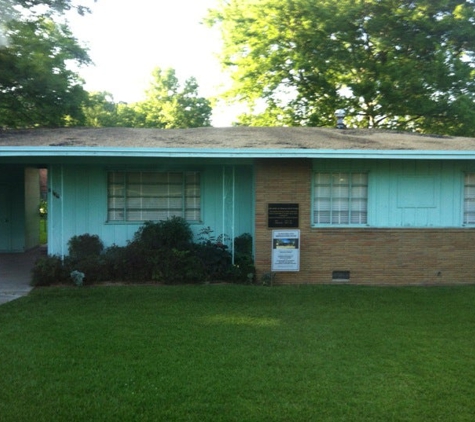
(37, 49)
(100, 110)
(406, 65)
(37, 88)
(167, 106)
(13, 9)
(19, 9)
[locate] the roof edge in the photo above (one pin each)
(232, 153)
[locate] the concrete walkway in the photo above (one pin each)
(15, 273)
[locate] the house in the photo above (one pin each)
(323, 205)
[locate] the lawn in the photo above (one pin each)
(239, 353)
(43, 231)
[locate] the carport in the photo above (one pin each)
(15, 273)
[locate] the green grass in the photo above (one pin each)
(239, 353)
(43, 231)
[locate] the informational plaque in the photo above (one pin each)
(283, 216)
(285, 250)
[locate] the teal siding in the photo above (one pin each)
(78, 203)
(410, 193)
(12, 209)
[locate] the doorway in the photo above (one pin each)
(5, 218)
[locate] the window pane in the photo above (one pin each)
(142, 196)
(115, 215)
(469, 199)
(340, 198)
(322, 217)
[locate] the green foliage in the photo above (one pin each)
(243, 258)
(100, 110)
(243, 244)
(169, 252)
(43, 231)
(170, 106)
(49, 270)
(390, 64)
(175, 232)
(85, 256)
(215, 260)
(116, 260)
(43, 208)
(84, 246)
(37, 87)
(178, 266)
(167, 105)
(162, 252)
(12, 9)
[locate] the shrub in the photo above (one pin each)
(172, 266)
(115, 262)
(85, 256)
(244, 270)
(174, 232)
(243, 244)
(84, 246)
(161, 252)
(49, 270)
(215, 260)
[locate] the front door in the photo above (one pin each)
(5, 219)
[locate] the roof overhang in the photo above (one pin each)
(78, 152)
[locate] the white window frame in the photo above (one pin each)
(469, 199)
(138, 196)
(340, 198)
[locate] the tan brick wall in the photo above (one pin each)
(371, 255)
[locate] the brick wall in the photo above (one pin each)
(371, 255)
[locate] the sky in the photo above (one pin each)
(128, 39)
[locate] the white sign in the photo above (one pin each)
(285, 250)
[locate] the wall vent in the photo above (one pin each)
(340, 275)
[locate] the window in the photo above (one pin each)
(469, 199)
(340, 198)
(143, 196)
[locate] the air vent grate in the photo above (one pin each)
(340, 275)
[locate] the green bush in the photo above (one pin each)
(161, 252)
(49, 270)
(243, 244)
(215, 260)
(244, 270)
(115, 259)
(174, 232)
(172, 266)
(85, 246)
(85, 255)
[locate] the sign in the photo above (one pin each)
(283, 215)
(285, 250)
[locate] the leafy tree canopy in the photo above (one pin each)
(37, 51)
(406, 65)
(13, 9)
(167, 105)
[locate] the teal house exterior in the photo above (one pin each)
(367, 207)
(118, 194)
